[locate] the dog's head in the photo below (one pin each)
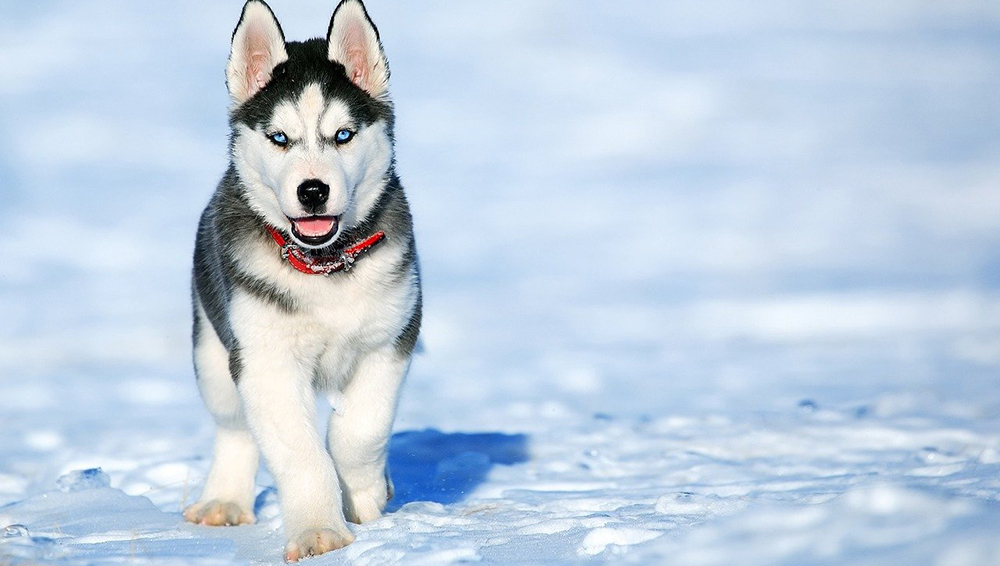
(311, 121)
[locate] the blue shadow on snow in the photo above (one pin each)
(430, 465)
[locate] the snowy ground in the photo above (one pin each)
(706, 282)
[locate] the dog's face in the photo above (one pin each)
(311, 122)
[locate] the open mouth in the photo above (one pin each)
(315, 230)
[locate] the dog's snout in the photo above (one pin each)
(313, 194)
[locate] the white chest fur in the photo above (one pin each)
(336, 319)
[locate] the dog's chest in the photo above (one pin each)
(346, 308)
(339, 318)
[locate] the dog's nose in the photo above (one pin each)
(313, 193)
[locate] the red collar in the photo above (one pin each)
(323, 265)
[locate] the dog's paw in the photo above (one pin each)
(364, 506)
(314, 542)
(217, 513)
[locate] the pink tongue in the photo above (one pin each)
(312, 227)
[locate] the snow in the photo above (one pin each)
(706, 283)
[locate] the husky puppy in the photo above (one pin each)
(305, 281)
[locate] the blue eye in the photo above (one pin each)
(344, 136)
(278, 138)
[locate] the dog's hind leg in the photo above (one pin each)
(227, 498)
(359, 433)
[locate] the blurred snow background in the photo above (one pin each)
(727, 274)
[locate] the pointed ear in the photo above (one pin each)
(353, 41)
(258, 47)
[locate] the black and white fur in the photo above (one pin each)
(267, 338)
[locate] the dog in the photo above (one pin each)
(305, 281)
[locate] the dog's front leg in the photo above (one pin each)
(277, 393)
(359, 432)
